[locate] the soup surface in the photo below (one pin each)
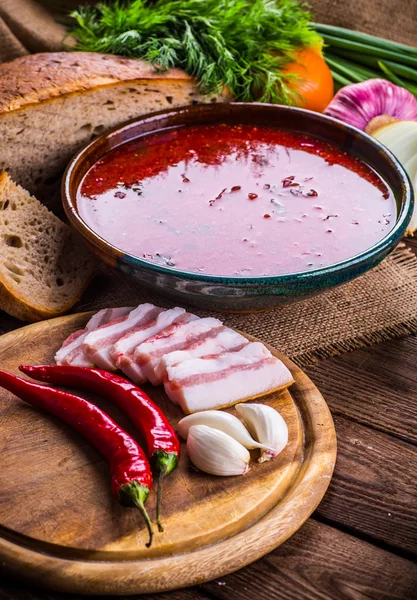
(236, 200)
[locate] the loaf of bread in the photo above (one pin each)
(44, 267)
(53, 103)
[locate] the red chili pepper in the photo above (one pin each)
(129, 467)
(163, 446)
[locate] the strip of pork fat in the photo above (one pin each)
(176, 337)
(218, 340)
(218, 381)
(122, 352)
(71, 351)
(98, 344)
(225, 340)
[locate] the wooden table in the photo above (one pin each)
(361, 543)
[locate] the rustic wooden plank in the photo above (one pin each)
(317, 563)
(321, 563)
(373, 490)
(12, 590)
(376, 386)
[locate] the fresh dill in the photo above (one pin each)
(240, 45)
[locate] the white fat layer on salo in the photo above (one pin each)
(224, 340)
(176, 337)
(208, 383)
(71, 352)
(98, 344)
(122, 351)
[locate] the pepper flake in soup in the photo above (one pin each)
(237, 201)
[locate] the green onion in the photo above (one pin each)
(389, 74)
(340, 79)
(361, 56)
(364, 38)
(344, 70)
(364, 72)
(334, 41)
(402, 70)
(395, 67)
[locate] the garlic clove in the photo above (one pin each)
(216, 452)
(267, 426)
(223, 421)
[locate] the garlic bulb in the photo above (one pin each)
(359, 103)
(401, 138)
(215, 452)
(267, 426)
(222, 421)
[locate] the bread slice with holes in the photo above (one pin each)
(44, 267)
(53, 103)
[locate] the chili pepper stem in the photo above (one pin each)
(133, 494)
(161, 476)
(164, 463)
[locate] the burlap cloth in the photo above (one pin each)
(377, 306)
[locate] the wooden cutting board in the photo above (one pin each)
(61, 528)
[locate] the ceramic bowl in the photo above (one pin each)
(243, 293)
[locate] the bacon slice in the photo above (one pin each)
(176, 337)
(123, 350)
(223, 380)
(216, 341)
(98, 344)
(71, 351)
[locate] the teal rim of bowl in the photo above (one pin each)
(403, 219)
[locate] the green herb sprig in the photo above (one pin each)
(238, 44)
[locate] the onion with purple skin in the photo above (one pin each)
(372, 103)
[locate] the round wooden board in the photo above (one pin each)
(60, 527)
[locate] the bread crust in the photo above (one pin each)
(26, 306)
(40, 77)
(18, 308)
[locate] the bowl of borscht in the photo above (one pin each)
(237, 206)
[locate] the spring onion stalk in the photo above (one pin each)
(397, 68)
(395, 79)
(364, 38)
(349, 72)
(339, 79)
(370, 50)
(356, 73)
(364, 72)
(357, 57)
(389, 74)
(402, 70)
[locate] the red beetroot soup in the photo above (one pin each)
(238, 201)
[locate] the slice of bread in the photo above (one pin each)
(53, 103)
(44, 267)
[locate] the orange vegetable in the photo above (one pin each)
(313, 82)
